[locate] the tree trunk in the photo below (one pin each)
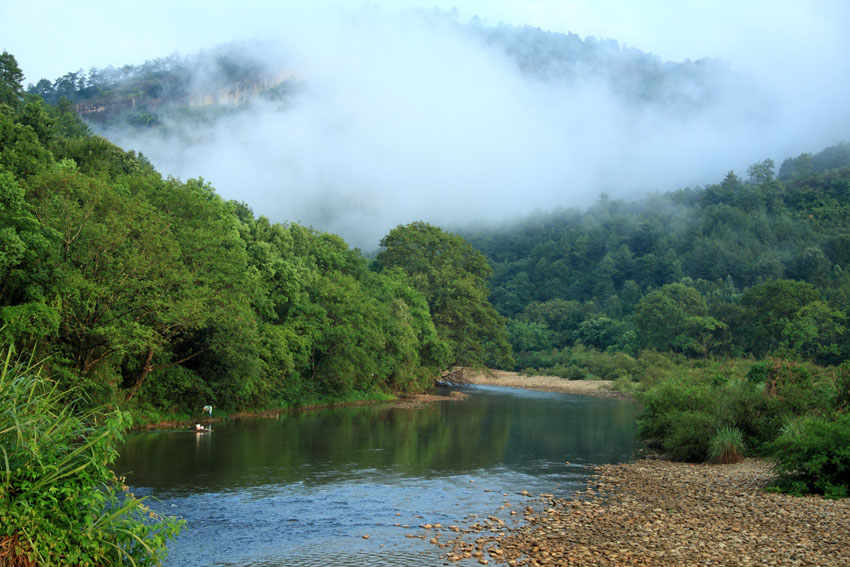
(146, 369)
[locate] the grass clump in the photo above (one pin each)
(727, 446)
(60, 504)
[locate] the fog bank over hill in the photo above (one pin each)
(414, 115)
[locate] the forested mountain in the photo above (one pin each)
(741, 267)
(181, 89)
(158, 293)
(178, 88)
(157, 290)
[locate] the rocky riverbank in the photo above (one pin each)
(602, 388)
(657, 513)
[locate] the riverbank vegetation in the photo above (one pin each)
(159, 296)
(60, 504)
(724, 307)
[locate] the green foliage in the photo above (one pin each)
(842, 387)
(727, 446)
(757, 266)
(813, 455)
(771, 309)
(525, 336)
(671, 405)
(453, 278)
(757, 374)
(158, 294)
(59, 502)
(689, 437)
(11, 77)
(674, 317)
(722, 412)
(807, 165)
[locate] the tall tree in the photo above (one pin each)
(452, 276)
(11, 91)
(675, 317)
(770, 309)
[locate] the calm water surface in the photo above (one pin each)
(304, 489)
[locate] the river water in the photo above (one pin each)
(305, 488)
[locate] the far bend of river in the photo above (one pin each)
(304, 488)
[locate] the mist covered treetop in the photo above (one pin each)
(537, 54)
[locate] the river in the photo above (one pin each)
(305, 488)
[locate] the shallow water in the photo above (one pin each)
(304, 488)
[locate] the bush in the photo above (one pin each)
(757, 374)
(689, 436)
(60, 505)
(743, 405)
(664, 402)
(813, 455)
(727, 446)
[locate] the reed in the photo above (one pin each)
(60, 504)
(727, 446)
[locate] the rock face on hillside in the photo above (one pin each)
(194, 97)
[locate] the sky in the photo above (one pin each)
(50, 38)
(377, 144)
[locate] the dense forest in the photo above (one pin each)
(747, 267)
(123, 293)
(140, 309)
(723, 307)
(157, 293)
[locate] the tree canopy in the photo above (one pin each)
(453, 278)
(157, 293)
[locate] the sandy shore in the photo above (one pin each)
(662, 514)
(601, 388)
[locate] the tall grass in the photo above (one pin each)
(727, 446)
(60, 504)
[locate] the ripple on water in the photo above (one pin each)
(304, 489)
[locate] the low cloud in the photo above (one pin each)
(415, 116)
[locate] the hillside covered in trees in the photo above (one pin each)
(746, 267)
(158, 288)
(157, 293)
(173, 93)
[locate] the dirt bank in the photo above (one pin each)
(602, 388)
(662, 514)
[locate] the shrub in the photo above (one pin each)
(727, 446)
(842, 387)
(689, 436)
(664, 401)
(743, 405)
(60, 505)
(757, 374)
(813, 455)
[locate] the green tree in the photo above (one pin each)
(527, 336)
(115, 265)
(817, 332)
(761, 173)
(26, 313)
(11, 91)
(207, 324)
(675, 317)
(770, 308)
(453, 278)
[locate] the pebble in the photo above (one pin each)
(662, 514)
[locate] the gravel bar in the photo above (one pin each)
(601, 388)
(658, 513)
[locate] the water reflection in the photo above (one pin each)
(304, 488)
